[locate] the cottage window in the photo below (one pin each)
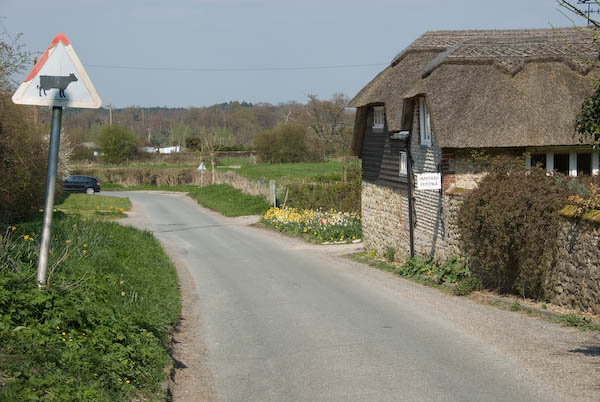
(584, 164)
(538, 160)
(378, 117)
(424, 122)
(403, 166)
(561, 163)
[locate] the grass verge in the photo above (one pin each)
(93, 206)
(228, 201)
(417, 272)
(99, 330)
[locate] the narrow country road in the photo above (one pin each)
(272, 319)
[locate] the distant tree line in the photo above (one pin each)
(235, 125)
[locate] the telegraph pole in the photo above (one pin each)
(589, 10)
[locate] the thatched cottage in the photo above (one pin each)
(450, 93)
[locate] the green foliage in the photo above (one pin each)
(286, 143)
(228, 201)
(99, 330)
(466, 286)
(508, 228)
(587, 123)
(324, 194)
(571, 320)
(390, 254)
(117, 144)
(23, 160)
(452, 271)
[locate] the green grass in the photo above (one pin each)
(99, 206)
(99, 331)
(287, 172)
(229, 201)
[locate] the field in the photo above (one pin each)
(284, 172)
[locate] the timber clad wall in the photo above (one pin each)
(381, 156)
(372, 149)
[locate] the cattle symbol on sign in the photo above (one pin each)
(58, 82)
(58, 79)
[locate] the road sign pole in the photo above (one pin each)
(42, 272)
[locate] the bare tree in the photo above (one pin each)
(210, 141)
(331, 121)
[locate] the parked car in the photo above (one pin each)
(80, 184)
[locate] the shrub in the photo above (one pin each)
(286, 143)
(390, 254)
(326, 193)
(117, 144)
(466, 286)
(23, 160)
(508, 228)
(452, 271)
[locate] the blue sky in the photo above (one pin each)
(246, 40)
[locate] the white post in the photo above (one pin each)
(573, 163)
(549, 161)
(273, 187)
(595, 164)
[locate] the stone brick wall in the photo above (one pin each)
(384, 218)
(576, 278)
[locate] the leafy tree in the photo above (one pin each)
(117, 144)
(284, 144)
(587, 123)
(588, 120)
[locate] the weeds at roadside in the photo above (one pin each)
(99, 330)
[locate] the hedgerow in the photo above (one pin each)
(508, 227)
(99, 330)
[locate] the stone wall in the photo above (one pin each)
(384, 218)
(576, 277)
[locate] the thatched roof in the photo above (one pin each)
(491, 88)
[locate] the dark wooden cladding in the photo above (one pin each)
(381, 155)
(389, 174)
(372, 154)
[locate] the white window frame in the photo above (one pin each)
(403, 163)
(378, 118)
(424, 123)
(594, 168)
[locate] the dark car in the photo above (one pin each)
(80, 184)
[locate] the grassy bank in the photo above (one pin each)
(93, 206)
(228, 201)
(99, 331)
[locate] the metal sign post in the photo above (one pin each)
(58, 79)
(202, 168)
(42, 272)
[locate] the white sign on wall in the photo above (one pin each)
(58, 79)
(429, 181)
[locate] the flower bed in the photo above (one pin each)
(324, 226)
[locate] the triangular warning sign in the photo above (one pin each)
(58, 79)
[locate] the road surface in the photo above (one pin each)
(285, 321)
